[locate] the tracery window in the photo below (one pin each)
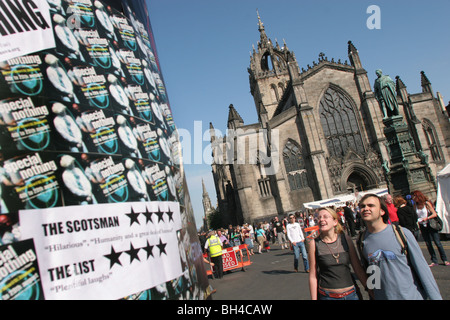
(432, 140)
(295, 166)
(339, 124)
(274, 90)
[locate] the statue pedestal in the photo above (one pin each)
(408, 169)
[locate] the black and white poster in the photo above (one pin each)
(95, 252)
(17, 39)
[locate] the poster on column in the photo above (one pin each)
(28, 28)
(96, 251)
(19, 272)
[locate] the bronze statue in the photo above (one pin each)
(386, 94)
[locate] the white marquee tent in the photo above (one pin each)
(339, 201)
(443, 197)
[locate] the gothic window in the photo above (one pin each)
(295, 166)
(271, 61)
(264, 187)
(339, 124)
(266, 62)
(432, 140)
(274, 90)
(263, 181)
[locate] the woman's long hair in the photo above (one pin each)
(419, 198)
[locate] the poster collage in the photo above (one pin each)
(88, 143)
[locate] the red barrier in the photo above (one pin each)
(312, 232)
(230, 259)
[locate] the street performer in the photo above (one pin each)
(214, 247)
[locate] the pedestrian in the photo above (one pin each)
(236, 236)
(280, 232)
(340, 213)
(260, 236)
(223, 238)
(407, 216)
(214, 248)
(400, 275)
(230, 231)
(297, 239)
(393, 218)
(425, 211)
(202, 238)
(266, 227)
(285, 221)
(252, 231)
(350, 219)
(312, 223)
(359, 222)
(330, 257)
(247, 239)
(409, 200)
(300, 218)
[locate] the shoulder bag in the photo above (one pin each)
(435, 223)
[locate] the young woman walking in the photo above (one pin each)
(330, 257)
(425, 212)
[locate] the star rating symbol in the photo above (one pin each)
(149, 250)
(113, 257)
(160, 214)
(170, 214)
(133, 253)
(162, 247)
(148, 215)
(133, 217)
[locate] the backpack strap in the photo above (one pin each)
(400, 238)
(360, 247)
(404, 244)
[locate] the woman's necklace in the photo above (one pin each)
(335, 256)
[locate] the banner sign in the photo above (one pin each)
(95, 252)
(25, 27)
(229, 259)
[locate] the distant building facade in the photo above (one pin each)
(208, 208)
(328, 128)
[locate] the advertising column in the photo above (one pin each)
(94, 202)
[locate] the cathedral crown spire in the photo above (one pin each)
(204, 188)
(265, 42)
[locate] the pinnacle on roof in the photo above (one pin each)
(424, 79)
(234, 115)
(265, 42)
(351, 47)
(399, 84)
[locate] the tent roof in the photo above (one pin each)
(340, 200)
(444, 172)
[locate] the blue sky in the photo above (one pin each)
(204, 49)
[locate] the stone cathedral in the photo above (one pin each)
(330, 136)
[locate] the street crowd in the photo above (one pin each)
(381, 232)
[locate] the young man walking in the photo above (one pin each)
(295, 236)
(279, 232)
(395, 276)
